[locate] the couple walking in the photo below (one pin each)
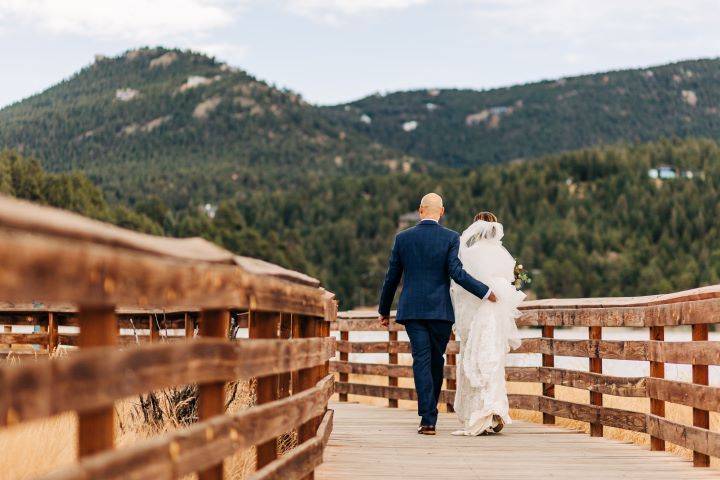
(466, 280)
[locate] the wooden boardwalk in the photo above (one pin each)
(371, 442)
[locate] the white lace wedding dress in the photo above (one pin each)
(486, 330)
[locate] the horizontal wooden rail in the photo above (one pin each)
(203, 444)
(97, 377)
(302, 460)
(692, 352)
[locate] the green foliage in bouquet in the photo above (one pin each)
(522, 277)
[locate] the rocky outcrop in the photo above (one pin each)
(204, 108)
(163, 60)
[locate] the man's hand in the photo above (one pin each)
(492, 297)
(384, 321)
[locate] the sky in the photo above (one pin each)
(334, 51)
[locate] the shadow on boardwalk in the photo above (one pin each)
(371, 442)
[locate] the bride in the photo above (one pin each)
(486, 330)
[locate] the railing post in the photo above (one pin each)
(211, 396)
(8, 329)
(701, 418)
(265, 325)
(41, 328)
(392, 360)
(98, 327)
(344, 356)
(154, 331)
(548, 360)
(53, 335)
(306, 377)
(189, 326)
(451, 382)
(596, 398)
(657, 370)
(285, 333)
(284, 379)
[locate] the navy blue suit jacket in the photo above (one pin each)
(426, 255)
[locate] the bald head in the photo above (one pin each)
(431, 207)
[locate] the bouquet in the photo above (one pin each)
(522, 277)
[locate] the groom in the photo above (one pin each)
(426, 255)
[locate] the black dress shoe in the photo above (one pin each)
(426, 430)
(499, 424)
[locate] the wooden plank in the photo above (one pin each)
(344, 356)
(96, 428)
(7, 329)
(31, 270)
(385, 391)
(450, 383)
(386, 347)
(606, 384)
(382, 369)
(307, 328)
(189, 325)
(611, 417)
(211, 395)
(393, 360)
(700, 376)
(687, 312)
(548, 361)
(88, 380)
(24, 338)
(657, 370)
(302, 460)
(52, 332)
(204, 444)
(364, 324)
(265, 325)
(285, 334)
(154, 329)
(693, 395)
(682, 308)
(596, 398)
(697, 439)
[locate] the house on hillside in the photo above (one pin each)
(667, 172)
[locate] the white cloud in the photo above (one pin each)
(335, 11)
(134, 20)
(572, 19)
(227, 52)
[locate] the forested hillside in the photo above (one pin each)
(469, 127)
(25, 178)
(184, 127)
(586, 223)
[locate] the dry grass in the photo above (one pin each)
(38, 447)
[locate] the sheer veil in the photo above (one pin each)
(486, 330)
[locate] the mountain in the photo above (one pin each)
(469, 127)
(184, 127)
(161, 133)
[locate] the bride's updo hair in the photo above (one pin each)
(486, 216)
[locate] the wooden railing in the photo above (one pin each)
(62, 269)
(695, 308)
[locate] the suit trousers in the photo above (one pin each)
(428, 340)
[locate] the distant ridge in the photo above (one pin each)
(469, 127)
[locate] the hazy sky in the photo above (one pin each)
(338, 50)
